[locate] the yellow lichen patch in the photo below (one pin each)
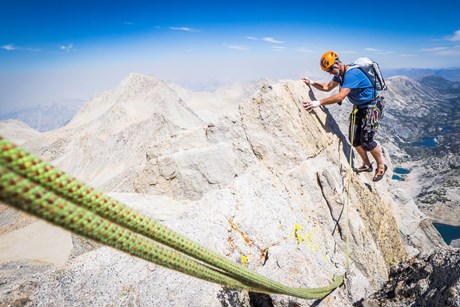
(244, 260)
(297, 235)
(307, 237)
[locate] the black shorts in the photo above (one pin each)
(362, 134)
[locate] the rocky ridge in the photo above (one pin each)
(18, 131)
(263, 185)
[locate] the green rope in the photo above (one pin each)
(347, 221)
(29, 197)
(70, 191)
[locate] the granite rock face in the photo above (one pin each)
(427, 280)
(264, 185)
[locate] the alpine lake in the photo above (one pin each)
(448, 232)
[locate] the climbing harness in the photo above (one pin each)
(38, 188)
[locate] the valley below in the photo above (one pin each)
(430, 147)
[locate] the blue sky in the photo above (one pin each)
(52, 51)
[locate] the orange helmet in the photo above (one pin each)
(327, 60)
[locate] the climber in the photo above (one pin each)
(361, 93)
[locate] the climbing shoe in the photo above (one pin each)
(379, 175)
(363, 168)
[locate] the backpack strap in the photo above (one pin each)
(351, 66)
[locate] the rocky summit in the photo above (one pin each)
(263, 183)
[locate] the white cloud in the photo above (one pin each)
(272, 40)
(455, 37)
(183, 29)
(378, 51)
(303, 49)
(454, 51)
(279, 48)
(251, 38)
(67, 47)
(9, 47)
(236, 47)
(444, 51)
(435, 49)
(406, 55)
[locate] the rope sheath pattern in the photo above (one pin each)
(37, 187)
(29, 197)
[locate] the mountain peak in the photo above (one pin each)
(136, 99)
(138, 79)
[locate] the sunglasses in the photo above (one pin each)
(332, 67)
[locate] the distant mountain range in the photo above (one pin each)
(452, 74)
(441, 84)
(207, 104)
(447, 81)
(47, 117)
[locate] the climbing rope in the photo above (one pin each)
(37, 187)
(347, 209)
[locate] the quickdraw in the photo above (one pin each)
(373, 116)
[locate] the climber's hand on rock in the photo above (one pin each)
(310, 105)
(308, 81)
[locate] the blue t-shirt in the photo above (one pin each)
(361, 87)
